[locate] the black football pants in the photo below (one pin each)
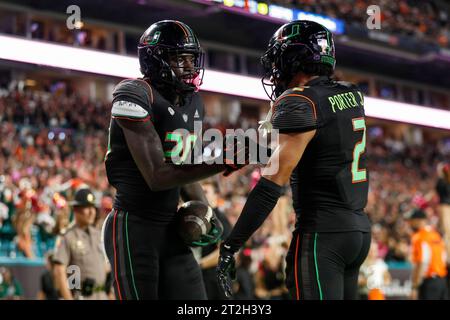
(325, 266)
(149, 260)
(433, 289)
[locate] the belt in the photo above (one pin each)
(99, 289)
(94, 290)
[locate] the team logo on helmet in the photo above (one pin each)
(155, 38)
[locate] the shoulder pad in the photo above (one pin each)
(132, 99)
(294, 112)
(135, 88)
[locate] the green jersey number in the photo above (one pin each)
(182, 146)
(359, 175)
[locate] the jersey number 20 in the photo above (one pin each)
(182, 146)
(359, 175)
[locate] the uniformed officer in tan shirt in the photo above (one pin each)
(79, 249)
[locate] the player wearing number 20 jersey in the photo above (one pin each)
(136, 98)
(152, 131)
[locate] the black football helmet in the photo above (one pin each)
(165, 39)
(296, 47)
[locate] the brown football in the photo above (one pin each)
(194, 220)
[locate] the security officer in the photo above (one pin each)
(428, 259)
(79, 255)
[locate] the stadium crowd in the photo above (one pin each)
(49, 149)
(424, 20)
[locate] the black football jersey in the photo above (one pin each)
(136, 100)
(330, 183)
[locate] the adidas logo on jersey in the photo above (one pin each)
(171, 111)
(196, 115)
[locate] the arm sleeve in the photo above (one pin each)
(260, 203)
(294, 113)
(132, 100)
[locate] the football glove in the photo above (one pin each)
(226, 271)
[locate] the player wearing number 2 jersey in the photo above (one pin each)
(322, 153)
(146, 146)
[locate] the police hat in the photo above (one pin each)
(83, 198)
(415, 214)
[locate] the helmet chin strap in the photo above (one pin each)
(173, 87)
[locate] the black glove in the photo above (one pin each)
(226, 271)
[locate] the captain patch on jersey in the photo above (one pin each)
(126, 109)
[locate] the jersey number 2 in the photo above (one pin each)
(359, 175)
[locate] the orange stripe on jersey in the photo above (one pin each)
(182, 28)
(428, 249)
(297, 95)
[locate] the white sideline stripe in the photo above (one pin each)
(66, 57)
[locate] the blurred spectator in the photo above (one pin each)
(3, 213)
(244, 287)
(443, 191)
(270, 275)
(10, 288)
(48, 289)
(428, 253)
(374, 276)
(210, 254)
(424, 20)
(23, 220)
(398, 250)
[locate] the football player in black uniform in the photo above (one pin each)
(322, 152)
(148, 259)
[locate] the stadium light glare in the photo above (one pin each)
(66, 57)
(279, 13)
(263, 8)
